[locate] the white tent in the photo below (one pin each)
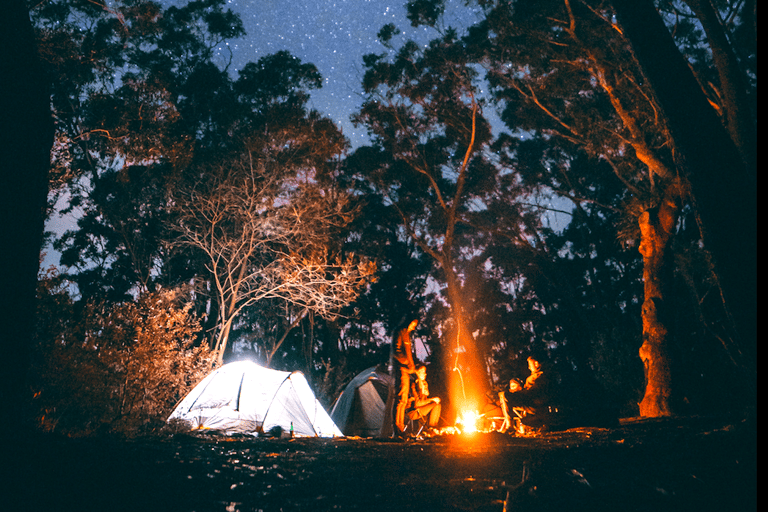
(245, 397)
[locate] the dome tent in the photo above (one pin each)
(248, 398)
(364, 408)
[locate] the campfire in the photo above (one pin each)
(466, 389)
(468, 421)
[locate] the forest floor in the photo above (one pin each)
(674, 464)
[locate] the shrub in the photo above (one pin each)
(117, 368)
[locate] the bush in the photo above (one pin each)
(117, 368)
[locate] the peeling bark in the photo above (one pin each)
(657, 227)
(722, 189)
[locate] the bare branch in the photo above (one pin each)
(266, 237)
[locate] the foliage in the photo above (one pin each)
(429, 171)
(270, 234)
(126, 78)
(585, 126)
(577, 102)
(185, 172)
(106, 367)
(153, 114)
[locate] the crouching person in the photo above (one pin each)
(533, 403)
(423, 406)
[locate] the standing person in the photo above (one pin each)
(424, 406)
(402, 352)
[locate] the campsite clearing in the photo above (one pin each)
(669, 465)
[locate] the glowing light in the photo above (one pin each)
(468, 421)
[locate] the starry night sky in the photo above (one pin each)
(331, 34)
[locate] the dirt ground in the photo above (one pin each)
(679, 464)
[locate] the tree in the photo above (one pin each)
(572, 92)
(267, 233)
(576, 89)
(429, 167)
(145, 106)
(144, 115)
(706, 146)
(565, 76)
(27, 137)
(123, 74)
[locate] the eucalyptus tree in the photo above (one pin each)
(270, 231)
(564, 75)
(710, 106)
(148, 115)
(430, 167)
(121, 74)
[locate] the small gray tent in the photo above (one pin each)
(364, 408)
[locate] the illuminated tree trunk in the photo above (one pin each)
(656, 227)
(222, 340)
(467, 376)
(724, 191)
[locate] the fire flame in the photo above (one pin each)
(467, 421)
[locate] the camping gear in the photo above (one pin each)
(247, 398)
(364, 408)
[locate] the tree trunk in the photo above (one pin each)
(271, 352)
(723, 188)
(26, 138)
(656, 227)
(467, 378)
(222, 341)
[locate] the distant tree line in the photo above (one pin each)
(219, 217)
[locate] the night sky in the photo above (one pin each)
(331, 34)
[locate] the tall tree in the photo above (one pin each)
(267, 233)
(151, 113)
(565, 75)
(27, 137)
(706, 146)
(430, 168)
(122, 75)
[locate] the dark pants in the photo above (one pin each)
(520, 400)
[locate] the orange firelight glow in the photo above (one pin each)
(467, 421)
(466, 383)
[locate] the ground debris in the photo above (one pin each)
(676, 465)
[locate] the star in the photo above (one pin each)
(333, 35)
